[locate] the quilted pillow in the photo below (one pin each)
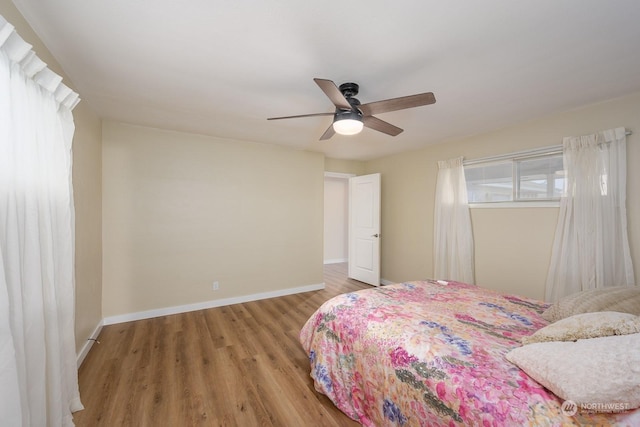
(624, 299)
(587, 325)
(598, 370)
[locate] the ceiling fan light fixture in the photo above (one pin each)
(348, 126)
(348, 123)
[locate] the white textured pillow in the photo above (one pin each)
(598, 370)
(625, 299)
(587, 325)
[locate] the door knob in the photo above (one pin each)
(375, 235)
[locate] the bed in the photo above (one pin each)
(433, 353)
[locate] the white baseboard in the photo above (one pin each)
(88, 344)
(335, 260)
(148, 314)
(385, 282)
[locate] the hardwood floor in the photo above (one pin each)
(239, 365)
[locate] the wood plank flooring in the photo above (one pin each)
(239, 365)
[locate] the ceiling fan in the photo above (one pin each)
(350, 116)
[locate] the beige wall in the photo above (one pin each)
(183, 210)
(513, 246)
(355, 167)
(87, 190)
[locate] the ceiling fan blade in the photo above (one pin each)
(394, 104)
(331, 90)
(328, 133)
(301, 115)
(381, 126)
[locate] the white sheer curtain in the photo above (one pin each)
(453, 238)
(38, 373)
(591, 246)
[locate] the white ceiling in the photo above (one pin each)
(222, 67)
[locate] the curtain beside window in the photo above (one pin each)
(38, 372)
(453, 237)
(591, 246)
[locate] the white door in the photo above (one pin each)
(364, 228)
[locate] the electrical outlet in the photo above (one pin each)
(216, 285)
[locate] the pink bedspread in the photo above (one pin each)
(423, 353)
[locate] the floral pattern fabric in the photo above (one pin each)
(432, 354)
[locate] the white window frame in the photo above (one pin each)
(513, 158)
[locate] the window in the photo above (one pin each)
(519, 177)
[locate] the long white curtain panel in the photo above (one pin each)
(38, 373)
(591, 246)
(453, 237)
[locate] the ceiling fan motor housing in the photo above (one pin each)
(347, 115)
(349, 89)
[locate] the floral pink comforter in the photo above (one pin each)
(425, 353)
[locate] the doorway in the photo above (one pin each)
(353, 234)
(336, 217)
